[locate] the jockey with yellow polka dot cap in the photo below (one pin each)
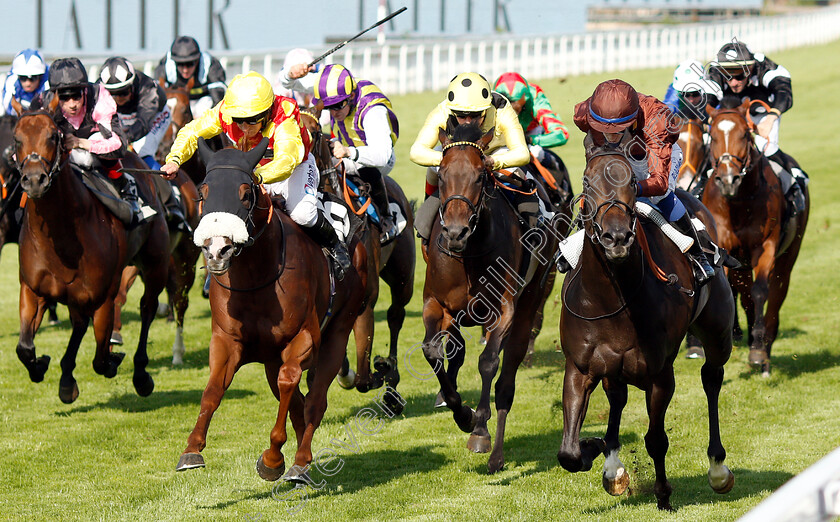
(249, 112)
(469, 99)
(364, 129)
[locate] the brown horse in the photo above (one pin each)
(749, 206)
(73, 250)
(623, 320)
(481, 270)
(275, 303)
(393, 262)
(695, 156)
(183, 256)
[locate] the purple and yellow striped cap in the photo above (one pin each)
(333, 85)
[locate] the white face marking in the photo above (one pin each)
(726, 127)
(684, 136)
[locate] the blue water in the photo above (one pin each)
(271, 24)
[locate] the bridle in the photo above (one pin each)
(475, 208)
(726, 157)
(605, 206)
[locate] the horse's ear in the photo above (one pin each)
(17, 106)
(162, 82)
(711, 111)
(487, 138)
(317, 109)
(52, 106)
(744, 108)
(254, 155)
(204, 151)
(190, 83)
(518, 104)
(443, 137)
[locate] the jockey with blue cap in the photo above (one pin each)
(26, 79)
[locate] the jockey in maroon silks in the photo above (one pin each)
(641, 127)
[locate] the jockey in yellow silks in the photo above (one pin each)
(249, 112)
(364, 130)
(469, 98)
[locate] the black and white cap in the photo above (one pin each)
(117, 72)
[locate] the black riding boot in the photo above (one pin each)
(127, 187)
(379, 195)
(796, 192)
(324, 234)
(174, 212)
(703, 269)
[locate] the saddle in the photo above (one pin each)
(788, 223)
(110, 197)
(357, 189)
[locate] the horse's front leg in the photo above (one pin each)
(615, 478)
(154, 280)
(721, 478)
(105, 362)
(759, 356)
(68, 389)
(225, 356)
(31, 312)
(129, 274)
(436, 321)
(576, 455)
(658, 397)
(363, 335)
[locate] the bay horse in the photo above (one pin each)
(274, 302)
(73, 250)
(394, 263)
(626, 309)
(748, 203)
(480, 271)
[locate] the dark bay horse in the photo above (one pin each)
(272, 303)
(73, 250)
(748, 203)
(183, 256)
(622, 324)
(394, 263)
(480, 271)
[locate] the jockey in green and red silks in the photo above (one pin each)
(541, 124)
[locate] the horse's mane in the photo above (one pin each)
(730, 101)
(467, 132)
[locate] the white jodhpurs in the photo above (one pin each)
(640, 170)
(300, 191)
(148, 144)
(768, 146)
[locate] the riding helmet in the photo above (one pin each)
(67, 74)
(28, 62)
(333, 84)
(117, 72)
(735, 55)
(613, 107)
(514, 87)
(688, 76)
(247, 95)
(185, 49)
(468, 92)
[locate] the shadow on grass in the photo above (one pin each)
(415, 405)
(695, 490)
(382, 315)
(194, 358)
(358, 471)
(794, 365)
(131, 402)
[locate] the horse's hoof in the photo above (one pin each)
(39, 368)
(440, 402)
(727, 486)
(695, 352)
(269, 474)
(53, 321)
(68, 394)
(757, 358)
(347, 381)
(495, 464)
(116, 338)
(528, 360)
(392, 403)
(190, 461)
(112, 363)
(297, 475)
(617, 485)
(381, 364)
(479, 443)
(144, 384)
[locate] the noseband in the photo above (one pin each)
(726, 157)
(597, 228)
(475, 208)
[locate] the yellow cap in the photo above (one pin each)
(468, 92)
(248, 95)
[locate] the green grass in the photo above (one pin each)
(111, 455)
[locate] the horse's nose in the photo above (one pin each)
(217, 253)
(455, 232)
(617, 238)
(32, 183)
